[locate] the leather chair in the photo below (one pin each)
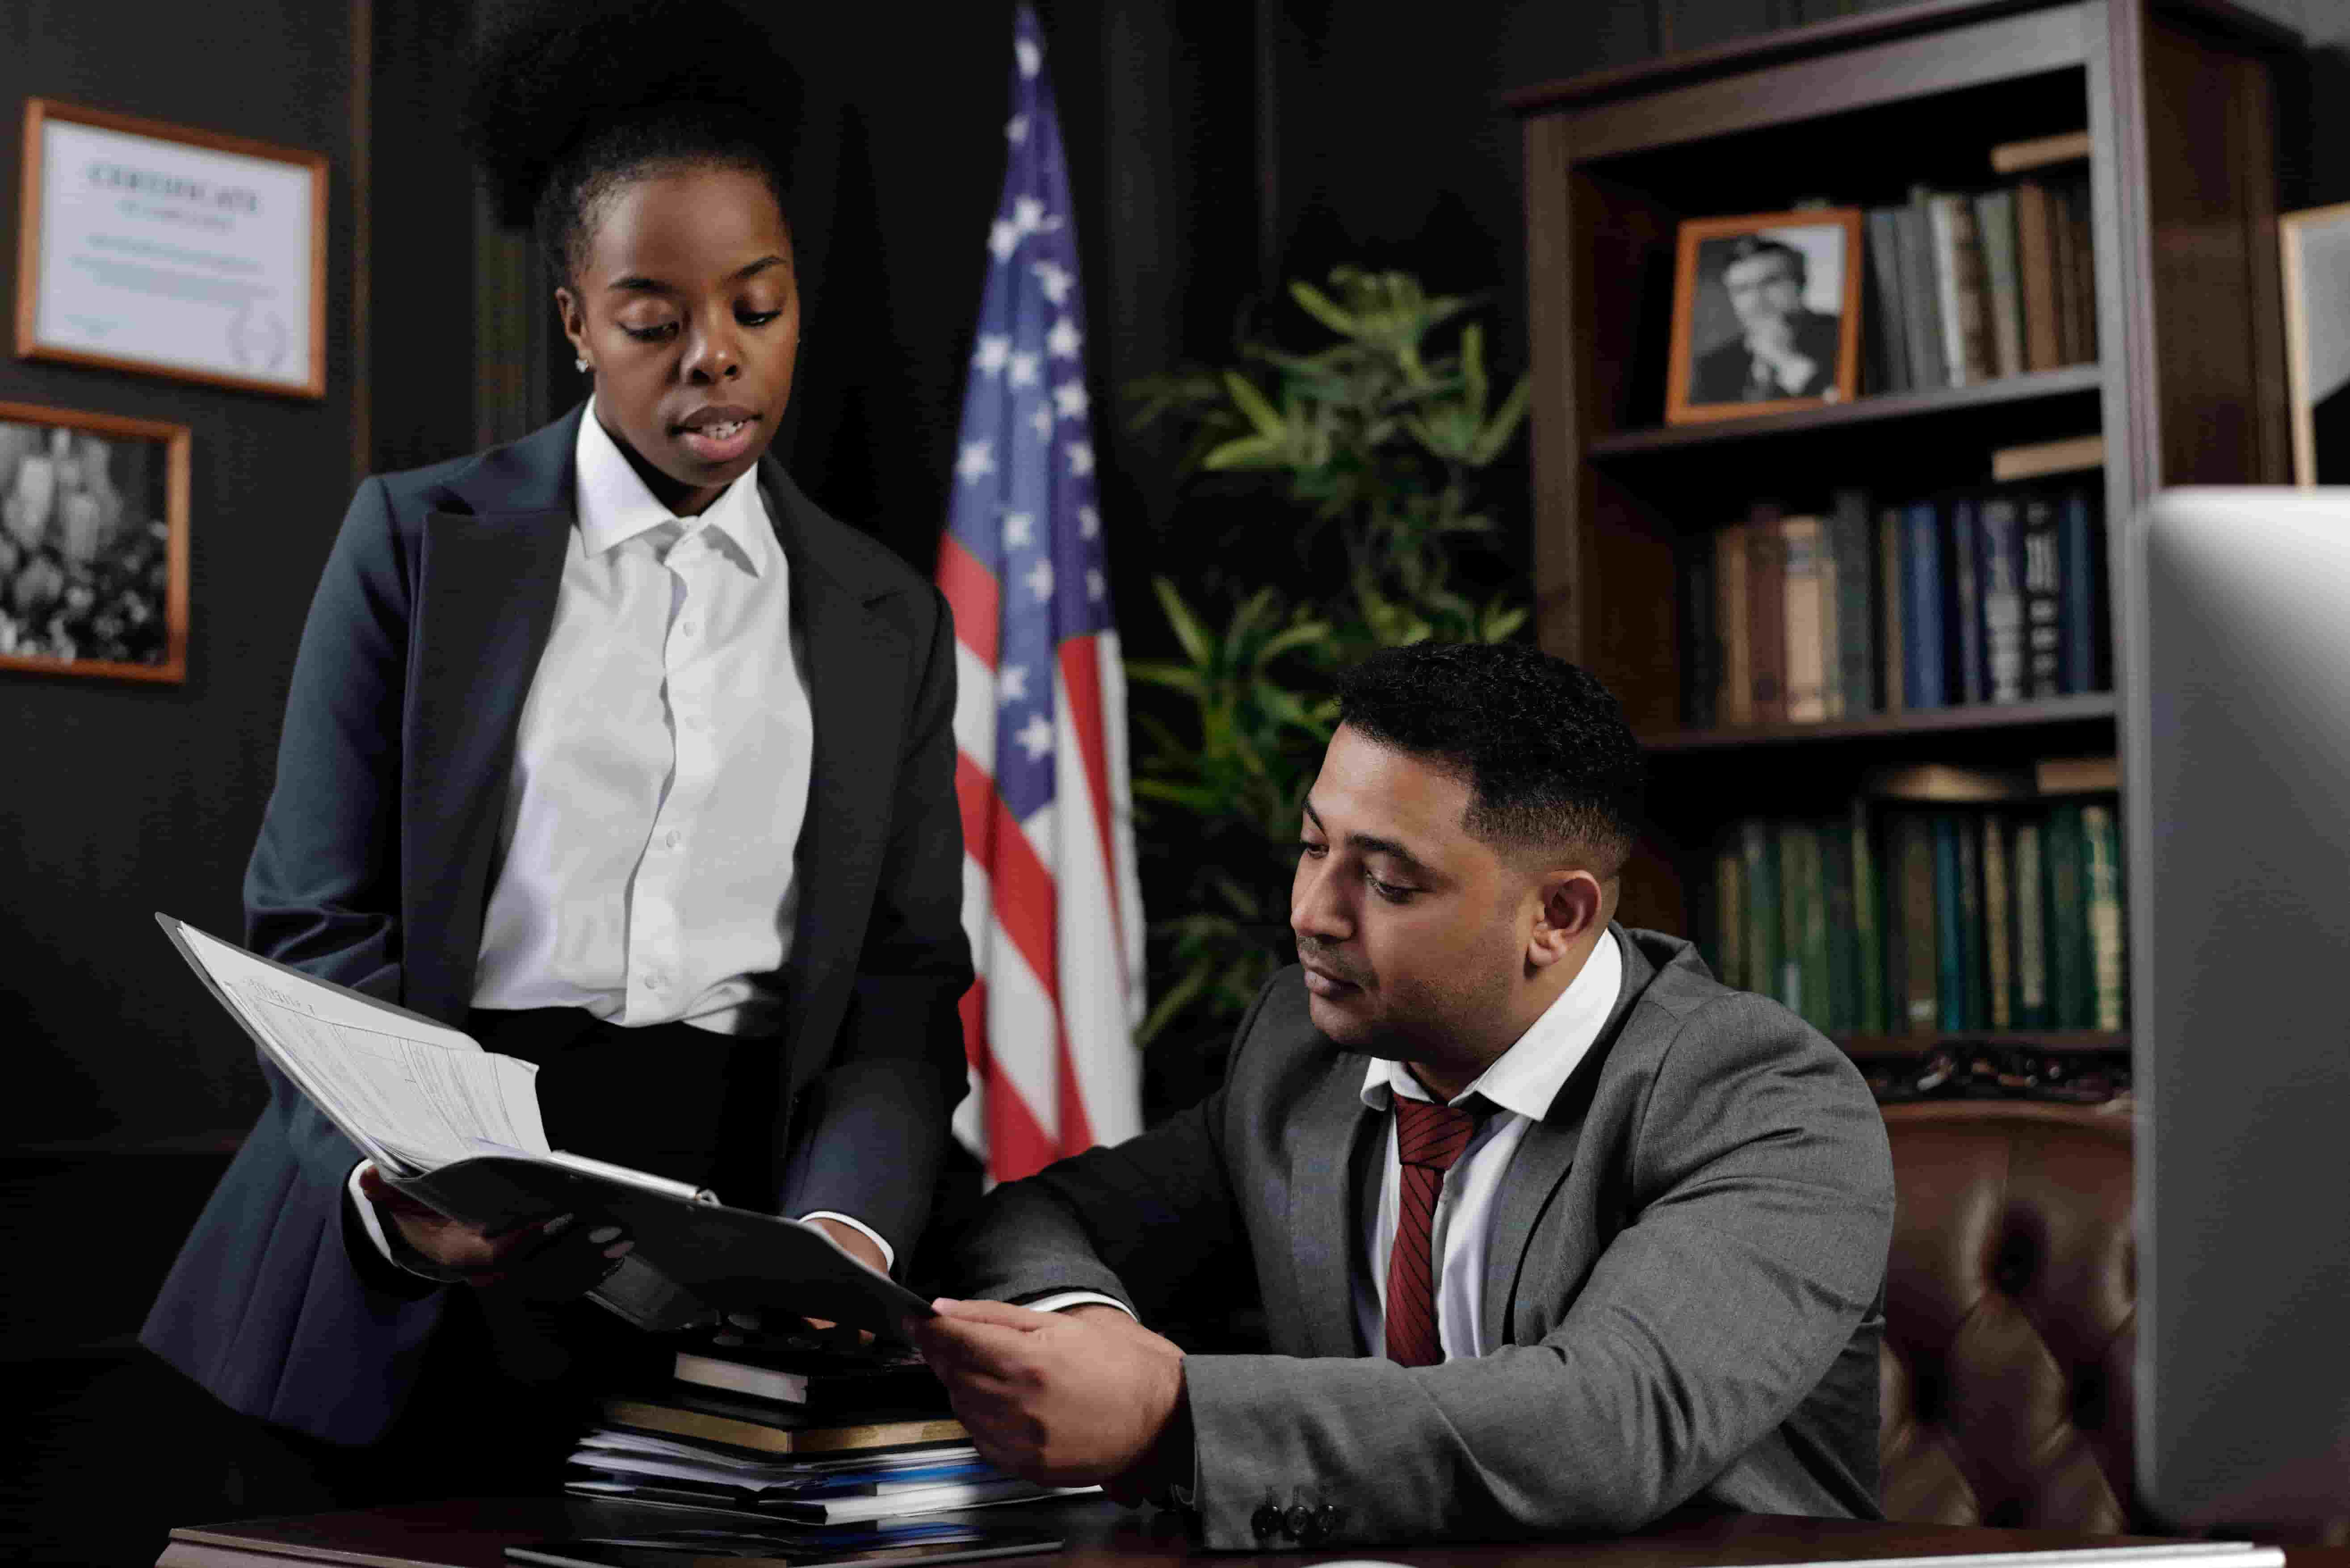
(2010, 1318)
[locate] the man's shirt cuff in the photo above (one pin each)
(1062, 1301)
(372, 1223)
(888, 1253)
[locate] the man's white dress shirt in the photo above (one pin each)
(647, 858)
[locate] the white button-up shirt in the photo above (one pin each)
(1520, 1085)
(661, 772)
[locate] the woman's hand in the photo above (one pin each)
(545, 1259)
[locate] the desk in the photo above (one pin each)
(474, 1534)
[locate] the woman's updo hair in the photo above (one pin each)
(571, 101)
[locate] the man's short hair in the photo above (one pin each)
(1746, 247)
(1550, 762)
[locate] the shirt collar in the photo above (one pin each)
(614, 506)
(1526, 1078)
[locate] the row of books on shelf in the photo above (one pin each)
(1991, 596)
(1962, 288)
(816, 1438)
(1898, 919)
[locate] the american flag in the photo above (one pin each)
(1050, 898)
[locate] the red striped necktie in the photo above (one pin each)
(1428, 1139)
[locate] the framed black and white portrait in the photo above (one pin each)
(93, 544)
(1766, 315)
(2314, 247)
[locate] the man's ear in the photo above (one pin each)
(1569, 903)
(572, 312)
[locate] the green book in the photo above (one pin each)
(1804, 922)
(1998, 904)
(1950, 937)
(1869, 925)
(1843, 938)
(1971, 920)
(1912, 876)
(2030, 923)
(1730, 913)
(2108, 973)
(2070, 1002)
(1759, 847)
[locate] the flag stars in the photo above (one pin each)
(977, 461)
(1063, 339)
(1003, 237)
(1015, 129)
(1069, 400)
(1040, 422)
(1012, 684)
(994, 348)
(1030, 54)
(1053, 279)
(1028, 216)
(1088, 522)
(1035, 737)
(1081, 457)
(1096, 585)
(1040, 580)
(1019, 530)
(1023, 370)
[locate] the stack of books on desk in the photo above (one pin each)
(817, 1438)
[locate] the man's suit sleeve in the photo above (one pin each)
(269, 1306)
(1760, 1194)
(870, 1129)
(1147, 1222)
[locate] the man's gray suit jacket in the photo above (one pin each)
(1684, 1278)
(379, 850)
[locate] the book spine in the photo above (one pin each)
(2044, 633)
(1868, 924)
(1998, 940)
(1891, 672)
(1856, 556)
(1950, 310)
(1830, 611)
(2070, 1003)
(2108, 976)
(1889, 330)
(1766, 614)
(2076, 553)
(1921, 607)
(1995, 229)
(1733, 700)
(1950, 937)
(1802, 922)
(1841, 933)
(1818, 980)
(2036, 267)
(2030, 922)
(1972, 288)
(1760, 848)
(1806, 668)
(2079, 209)
(1700, 646)
(1966, 603)
(1730, 914)
(1972, 927)
(2001, 529)
(1920, 940)
(1922, 295)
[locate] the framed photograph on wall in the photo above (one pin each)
(93, 544)
(171, 252)
(1766, 315)
(2316, 248)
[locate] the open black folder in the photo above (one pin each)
(458, 1129)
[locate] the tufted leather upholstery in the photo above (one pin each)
(2010, 1318)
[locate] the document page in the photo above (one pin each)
(424, 1094)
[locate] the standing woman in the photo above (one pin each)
(611, 748)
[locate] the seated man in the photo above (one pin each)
(1553, 1232)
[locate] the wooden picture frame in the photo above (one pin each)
(2314, 254)
(1714, 371)
(168, 251)
(93, 561)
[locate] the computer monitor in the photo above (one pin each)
(2236, 777)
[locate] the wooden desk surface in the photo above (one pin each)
(475, 1534)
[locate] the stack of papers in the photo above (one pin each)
(868, 1486)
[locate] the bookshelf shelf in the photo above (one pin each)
(2070, 381)
(2087, 706)
(1874, 1047)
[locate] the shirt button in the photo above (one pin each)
(1266, 1520)
(1299, 1520)
(690, 628)
(652, 982)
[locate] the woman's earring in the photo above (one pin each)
(579, 364)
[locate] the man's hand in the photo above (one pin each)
(544, 1259)
(1063, 1399)
(1772, 341)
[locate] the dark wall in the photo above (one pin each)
(125, 797)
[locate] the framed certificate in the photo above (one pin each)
(152, 247)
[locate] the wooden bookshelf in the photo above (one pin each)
(2178, 103)
(2087, 1041)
